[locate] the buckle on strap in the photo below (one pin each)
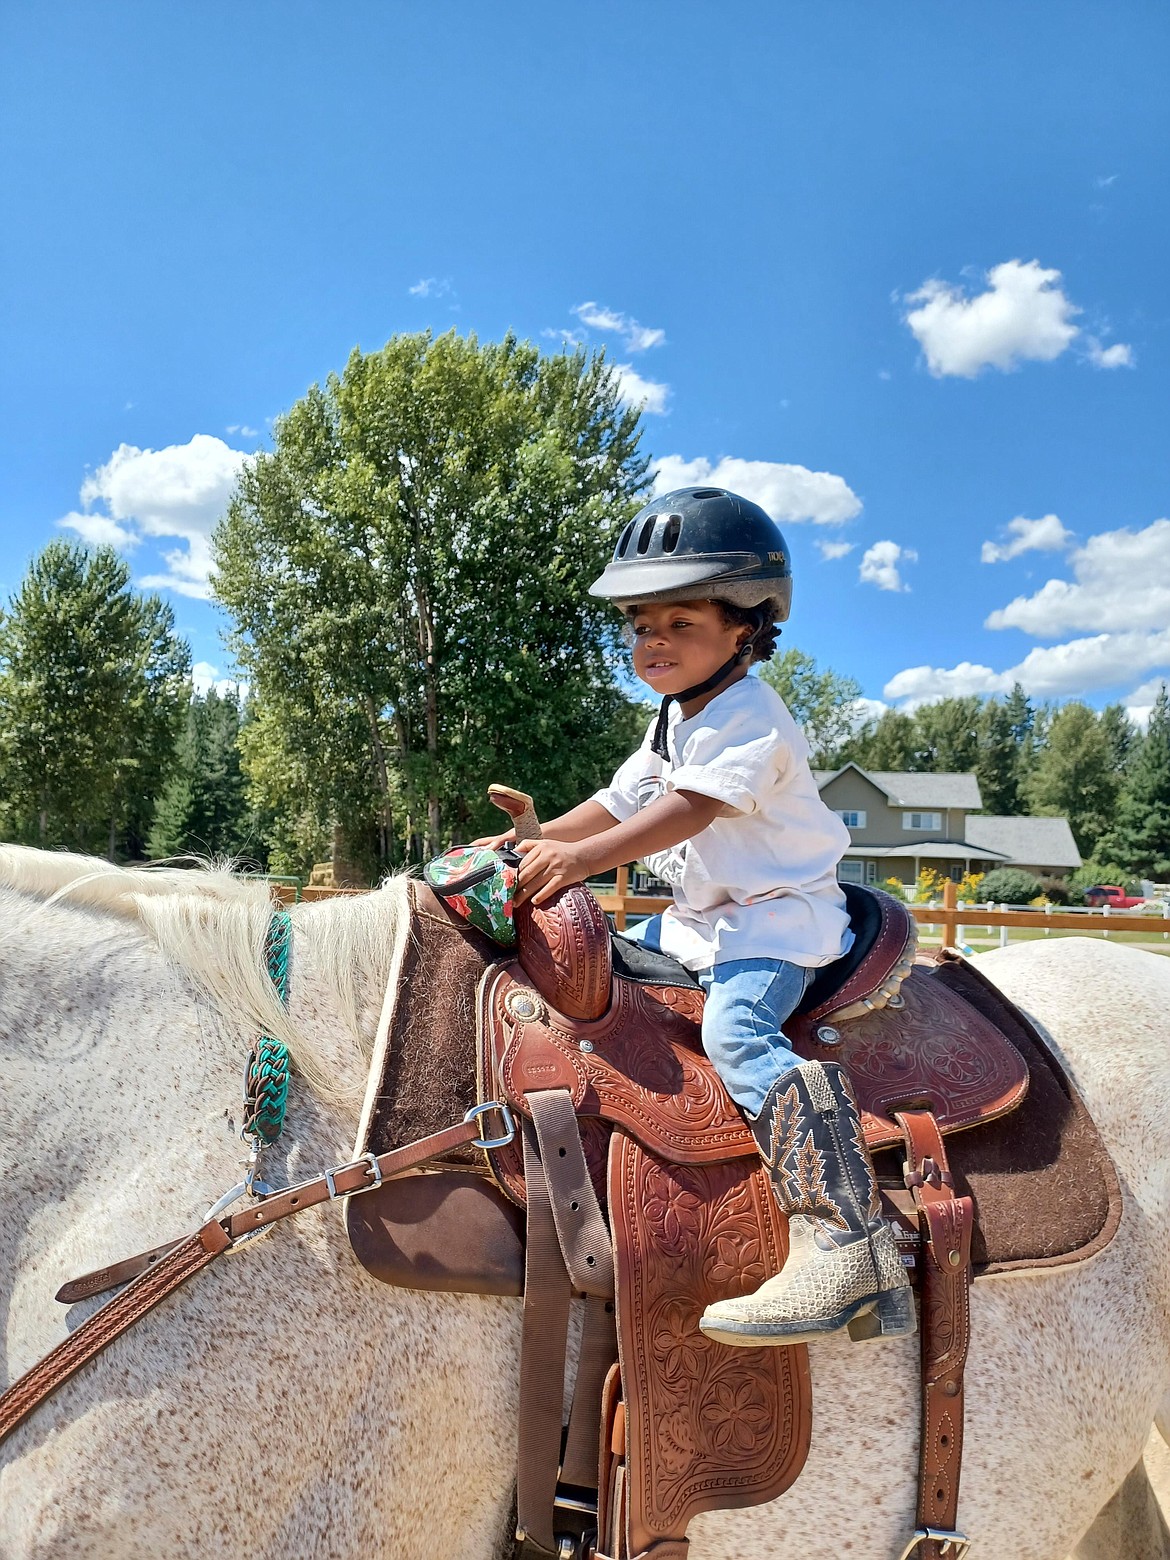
(953, 1544)
(477, 1112)
(371, 1163)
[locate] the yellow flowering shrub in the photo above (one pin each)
(929, 886)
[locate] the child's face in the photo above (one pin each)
(681, 643)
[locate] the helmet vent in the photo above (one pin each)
(646, 532)
(707, 493)
(670, 533)
(625, 540)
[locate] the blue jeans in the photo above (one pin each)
(747, 1003)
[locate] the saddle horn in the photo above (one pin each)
(518, 805)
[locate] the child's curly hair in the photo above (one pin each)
(764, 647)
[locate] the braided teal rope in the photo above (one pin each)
(266, 1076)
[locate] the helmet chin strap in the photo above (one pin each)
(744, 653)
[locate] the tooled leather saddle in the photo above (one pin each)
(594, 1045)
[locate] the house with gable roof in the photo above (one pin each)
(901, 822)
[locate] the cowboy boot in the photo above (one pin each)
(843, 1267)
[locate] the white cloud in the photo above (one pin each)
(637, 337)
(1119, 355)
(879, 565)
(867, 709)
(204, 677)
(174, 493)
(646, 394)
(1141, 701)
(789, 493)
(430, 287)
(1122, 582)
(1103, 181)
(243, 429)
(1055, 671)
(98, 530)
(1022, 315)
(1044, 535)
(831, 550)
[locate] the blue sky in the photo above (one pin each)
(898, 272)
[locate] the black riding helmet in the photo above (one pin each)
(701, 543)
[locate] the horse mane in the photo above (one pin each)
(212, 923)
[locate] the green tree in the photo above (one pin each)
(821, 702)
(408, 575)
(997, 761)
(1021, 715)
(1073, 775)
(1140, 835)
(204, 809)
(1121, 736)
(890, 742)
(948, 735)
(93, 681)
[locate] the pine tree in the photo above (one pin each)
(1021, 715)
(1121, 735)
(204, 808)
(997, 764)
(1140, 836)
(92, 685)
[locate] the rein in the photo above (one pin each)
(199, 1249)
(153, 1275)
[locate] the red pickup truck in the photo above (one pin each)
(1109, 894)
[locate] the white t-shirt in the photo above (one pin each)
(760, 882)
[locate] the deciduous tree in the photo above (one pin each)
(408, 574)
(1073, 775)
(822, 702)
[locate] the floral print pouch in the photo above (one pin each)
(478, 884)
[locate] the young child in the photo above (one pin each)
(720, 802)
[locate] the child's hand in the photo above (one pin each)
(548, 865)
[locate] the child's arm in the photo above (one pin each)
(553, 862)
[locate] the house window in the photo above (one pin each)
(852, 820)
(849, 871)
(871, 871)
(922, 820)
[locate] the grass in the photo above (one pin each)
(982, 939)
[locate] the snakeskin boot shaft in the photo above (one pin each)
(843, 1267)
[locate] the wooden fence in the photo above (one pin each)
(950, 917)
